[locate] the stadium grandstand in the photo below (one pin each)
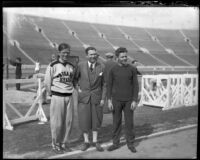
(156, 50)
(166, 57)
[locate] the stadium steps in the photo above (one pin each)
(12, 51)
(30, 40)
(171, 59)
(56, 31)
(194, 36)
(136, 33)
(110, 31)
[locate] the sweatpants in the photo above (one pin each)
(61, 117)
(120, 106)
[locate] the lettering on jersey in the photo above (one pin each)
(67, 75)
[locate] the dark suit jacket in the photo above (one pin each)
(94, 91)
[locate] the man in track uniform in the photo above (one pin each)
(59, 81)
(122, 95)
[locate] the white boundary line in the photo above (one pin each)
(123, 140)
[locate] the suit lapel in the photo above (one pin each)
(97, 68)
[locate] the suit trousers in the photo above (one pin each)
(124, 106)
(90, 116)
(61, 117)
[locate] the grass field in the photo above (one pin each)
(33, 140)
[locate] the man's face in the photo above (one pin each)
(64, 54)
(123, 59)
(92, 56)
(53, 57)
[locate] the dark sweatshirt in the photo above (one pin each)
(123, 83)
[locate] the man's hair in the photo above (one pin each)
(19, 59)
(134, 61)
(89, 48)
(120, 50)
(63, 46)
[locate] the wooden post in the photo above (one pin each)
(168, 93)
(40, 113)
(6, 122)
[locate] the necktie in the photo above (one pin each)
(91, 68)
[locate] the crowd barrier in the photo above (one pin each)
(169, 91)
(8, 122)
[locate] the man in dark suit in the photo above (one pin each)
(91, 94)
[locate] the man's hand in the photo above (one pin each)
(101, 103)
(110, 105)
(133, 105)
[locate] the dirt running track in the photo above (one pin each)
(182, 144)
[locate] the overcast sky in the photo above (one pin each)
(152, 17)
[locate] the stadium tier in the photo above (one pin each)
(145, 58)
(39, 37)
(29, 40)
(10, 51)
(193, 59)
(166, 35)
(171, 59)
(136, 33)
(193, 35)
(89, 36)
(180, 48)
(110, 31)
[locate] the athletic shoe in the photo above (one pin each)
(113, 147)
(58, 150)
(98, 147)
(132, 149)
(85, 146)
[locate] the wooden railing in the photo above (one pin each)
(40, 115)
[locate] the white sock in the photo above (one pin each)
(86, 139)
(94, 133)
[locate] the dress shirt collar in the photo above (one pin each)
(93, 65)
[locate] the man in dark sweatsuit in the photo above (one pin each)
(18, 71)
(122, 95)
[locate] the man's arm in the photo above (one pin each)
(110, 84)
(76, 76)
(135, 85)
(103, 85)
(109, 89)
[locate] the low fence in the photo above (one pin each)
(169, 91)
(37, 103)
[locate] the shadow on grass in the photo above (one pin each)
(105, 134)
(30, 136)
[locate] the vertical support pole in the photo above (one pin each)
(168, 93)
(192, 88)
(182, 89)
(141, 92)
(40, 113)
(196, 89)
(6, 122)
